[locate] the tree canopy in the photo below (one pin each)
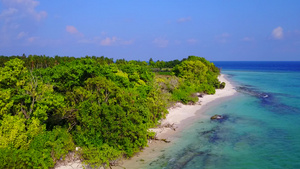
(50, 105)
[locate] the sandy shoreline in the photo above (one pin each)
(181, 112)
(180, 116)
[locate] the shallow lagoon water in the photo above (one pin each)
(261, 128)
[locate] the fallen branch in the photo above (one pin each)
(163, 139)
(168, 125)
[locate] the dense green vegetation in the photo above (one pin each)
(49, 106)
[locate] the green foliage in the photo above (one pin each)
(20, 158)
(54, 144)
(191, 70)
(222, 85)
(45, 149)
(39, 62)
(49, 105)
(6, 103)
(12, 75)
(13, 132)
(151, 62)
(68, 75)
(151, 134)
(156, 102)
(99, 156)
(165, 73)
(199, 76)
(185, 94)
(16, 132)
(110, 115)
(206, 88)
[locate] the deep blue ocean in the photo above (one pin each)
(261, 129)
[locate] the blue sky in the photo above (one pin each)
(158, 29)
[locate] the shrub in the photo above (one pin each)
(43, 151)
(99, 156)
(185, 94)
(222, 85)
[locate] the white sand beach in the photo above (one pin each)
(181, 112)
(178, 117)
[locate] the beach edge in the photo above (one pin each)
(179, 117)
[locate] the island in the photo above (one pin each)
(94, 109)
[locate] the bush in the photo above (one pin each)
(99, 156)
(108, 107)
(43, 151)
(222, 85)
(165, 73)
(185, 94)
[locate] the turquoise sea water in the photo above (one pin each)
(261, 129)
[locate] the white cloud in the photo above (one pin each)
(277, 33)
(108, 41)
(177, 42)
(20, 18)
(225, 35)
(161, 42)
(247, 39)
(95, 40)
(127, 42)
(223, 38)
(71, 29)
(32, 39)
(7, 13)
(22, 9)
(103, 33)
(181, 20)
(192, 41)
(41, 15)
(21, 35)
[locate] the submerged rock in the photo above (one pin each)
(186, 158)
(247, 89)
(217, 117)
